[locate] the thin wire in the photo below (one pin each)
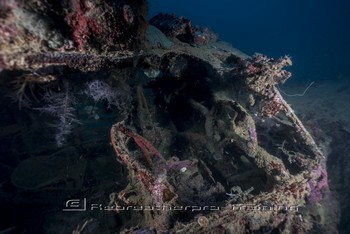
(297, 94)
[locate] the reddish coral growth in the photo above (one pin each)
(156, 185)
(272, 106)
(145, 146)
(108, 26)
(102, 24)
(79, 22)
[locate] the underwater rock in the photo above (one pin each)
(182, 29)
(173, 26)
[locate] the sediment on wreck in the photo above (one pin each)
(197, 126)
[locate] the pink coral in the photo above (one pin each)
(315, 195)
(7, 33)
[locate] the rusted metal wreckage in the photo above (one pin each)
(208, 129)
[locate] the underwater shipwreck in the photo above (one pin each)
(152, 126)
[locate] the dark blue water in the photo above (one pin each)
(316, 33)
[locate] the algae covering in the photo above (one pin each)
(204, 141)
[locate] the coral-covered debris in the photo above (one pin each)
(104, 24)
(262, 74)
(160, 190)
(173, 26)
(209, 134)
(58, 60)
(182, 29)
(97, 25)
